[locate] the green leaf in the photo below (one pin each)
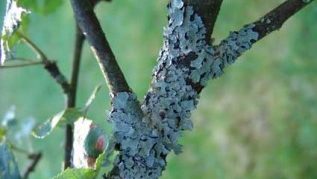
(50, 6)
(8, 165)
(3, 132)
(11, 22)
(32, 5)
(95, 141)
(77, 174)
(100, 160)
(92, 97)
(70, 115)
(43, 7)
(67, 116)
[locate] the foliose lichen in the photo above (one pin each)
(137, 157)
(186, 62)
(237, 43)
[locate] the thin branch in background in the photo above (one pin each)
(90, 26)
(33, 46)
(71, 97)
(79, 41)
(49, 65)
(20, 59)
(30, 63)
(35, 160)
(18, 149)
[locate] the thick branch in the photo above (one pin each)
(208, 10)
(185, 64)
(91, 27)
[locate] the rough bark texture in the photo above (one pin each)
(276, 18)
(90, 26)
(185, 62)
(208, 11)
(146, 134)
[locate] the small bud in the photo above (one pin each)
(95, 142)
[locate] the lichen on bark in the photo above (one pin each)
(186, 62)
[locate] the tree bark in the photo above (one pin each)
(145, 134)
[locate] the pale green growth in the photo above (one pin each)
(11, 21)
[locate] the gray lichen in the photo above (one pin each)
(237, 43)
(136, 139)
(185, 64)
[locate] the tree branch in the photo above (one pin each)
(33, 46)
(35, 159)
(79, 41)
(30, 63)
(278, 16)
(91, 27)
(240, 41)
(71, 97)
(50, 66)
(185, 64)
(208, 10)
(54, 71)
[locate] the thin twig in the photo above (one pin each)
(33, 46)
(71, 97)
(35, 160)
(31, 63)
(19, 59)
(90, 26)
(18, 149)
(277, 17)
(79, 41)
(50, 66)
(268, 23)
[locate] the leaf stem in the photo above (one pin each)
(31, 63)
(33, 46)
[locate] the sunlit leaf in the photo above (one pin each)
(92, 97)
(8, 165)
(77, 174)
(11, 22)
(32, 5)
(101, 160)
(64, 117)
(70, 115)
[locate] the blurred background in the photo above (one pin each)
(259, 120)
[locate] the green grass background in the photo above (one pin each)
(259, 120)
